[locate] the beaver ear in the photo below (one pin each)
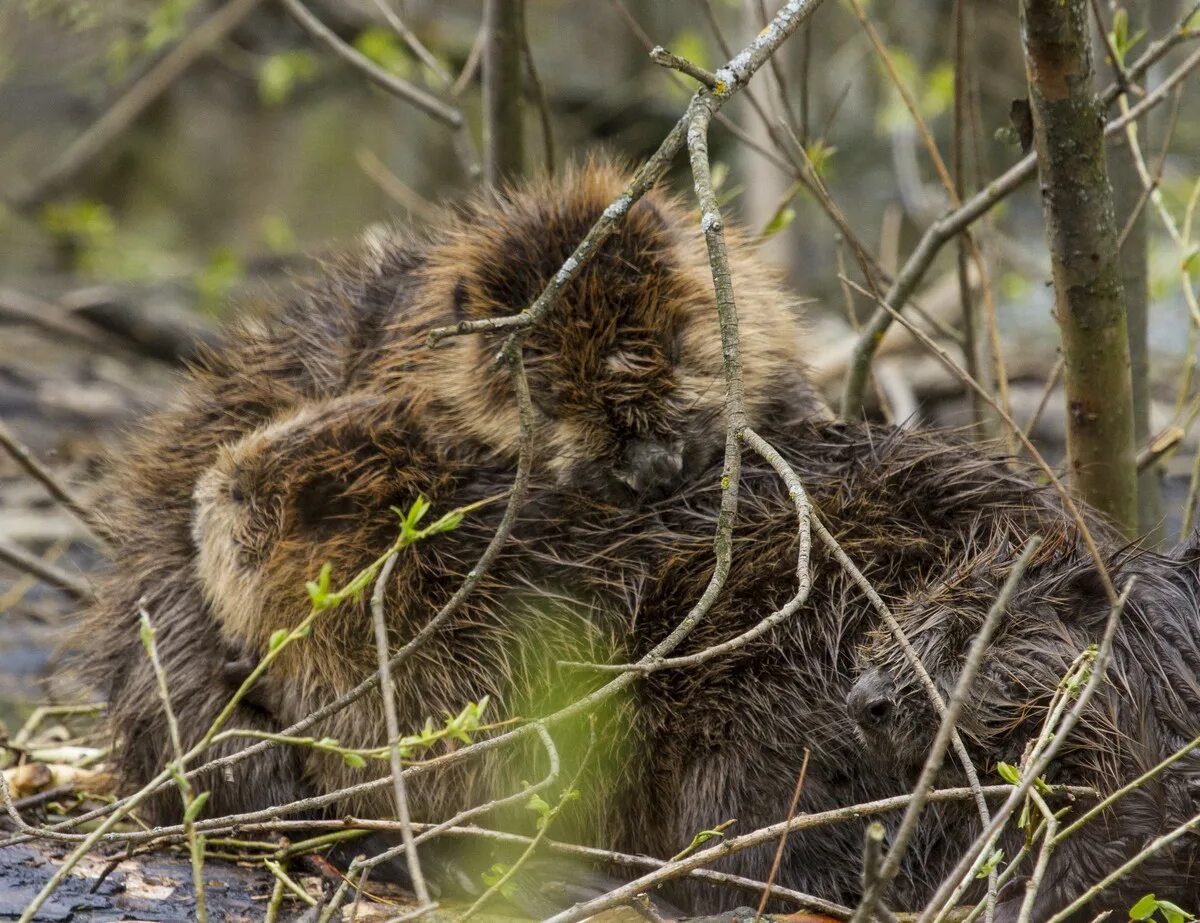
(1084, 589)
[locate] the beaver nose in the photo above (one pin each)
(650, 467)
(870, 702)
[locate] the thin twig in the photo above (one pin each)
(661, 56)
(951, 224)
(415, 44)
(195, 840)
(1059, 488)
(793, 605)
(733, 76)
(499, 538)
(91, 520)
(388, 693)
(778, 858)
(402, 89)
(539, 95)
(21, 559)
(767, 834)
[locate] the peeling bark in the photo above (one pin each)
(1082, 234)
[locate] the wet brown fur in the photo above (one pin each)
(687, 749)
(1148, 707)
(629, 357)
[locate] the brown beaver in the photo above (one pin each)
(687, 749)
(626, 373)
(1148, 707)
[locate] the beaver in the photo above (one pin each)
(684, 749)
(626, 371)
(626, 374)
(1148, 707)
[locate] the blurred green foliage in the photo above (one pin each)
(279, 74)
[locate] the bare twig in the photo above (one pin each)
(660, 55)
(415, 44)
(388, 693)
(734, 77)
(945, 228)
(803, 579)
(21, 559)
(1059, 488)
(90, 519)
(539, 95)
(195, 840)
(778, 858)
(402, 89)
(764, 835)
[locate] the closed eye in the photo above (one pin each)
(321, 503)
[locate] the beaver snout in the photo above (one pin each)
(871, 701)
(650, 468)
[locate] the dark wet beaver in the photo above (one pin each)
(684, 749)
(1148, 707)
(626, 374)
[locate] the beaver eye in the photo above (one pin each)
(321, 503)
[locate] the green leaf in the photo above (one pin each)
(383, 47)
(278, 636)
(353, 760)
(820, 155)
(1144, 908)
(1009, 773)
(197, 805)
(495, 875)
(780, 220)
(318, 590)
(539, 804)
(277, 234)
(281, 73)
(1174, 913)
(992, 862)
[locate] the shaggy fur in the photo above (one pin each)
(1148, 707)
(627, 378)
(683, 750)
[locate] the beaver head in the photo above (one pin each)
(313, 487)
(1057, 610)
(626, 370)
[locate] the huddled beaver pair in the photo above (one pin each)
(288, 448)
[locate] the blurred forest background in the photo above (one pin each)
(234, 158)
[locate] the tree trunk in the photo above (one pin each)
(503, 128)
(1082, 234)
(1128, 195)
